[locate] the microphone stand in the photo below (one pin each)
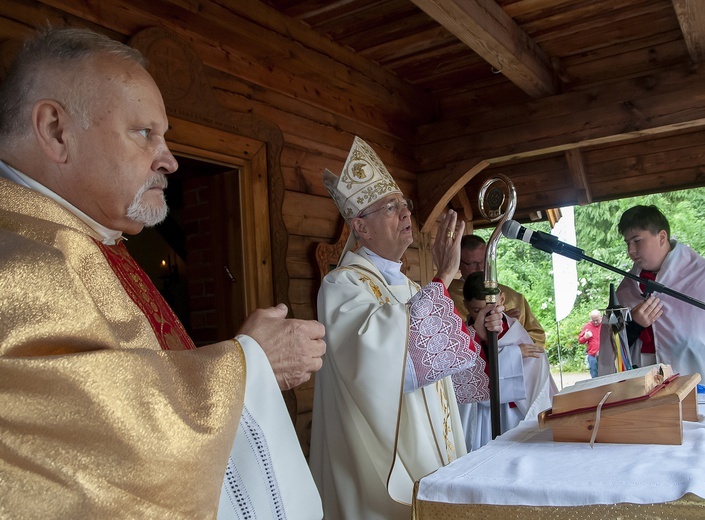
(650, 286)
(495, 199)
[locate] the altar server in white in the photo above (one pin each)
(526, 384)
(384, 412)
(664, 329)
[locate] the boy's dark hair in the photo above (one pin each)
(474, 287)
(644, 217)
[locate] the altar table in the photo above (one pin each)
(524, 474)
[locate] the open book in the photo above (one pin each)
(631, 384)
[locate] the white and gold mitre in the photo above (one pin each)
(364, 181)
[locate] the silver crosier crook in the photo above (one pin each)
(495, 197)
(490, 202)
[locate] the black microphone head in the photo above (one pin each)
(510, 229)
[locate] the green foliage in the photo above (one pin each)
(529, 270)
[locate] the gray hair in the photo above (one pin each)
(53, 65)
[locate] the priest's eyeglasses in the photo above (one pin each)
(392, 208)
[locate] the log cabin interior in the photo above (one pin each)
(574, 100)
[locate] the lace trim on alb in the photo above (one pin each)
(438, 346)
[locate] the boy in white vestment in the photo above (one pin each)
(526, 385)
(663, 329)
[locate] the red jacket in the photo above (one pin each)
(593, 344)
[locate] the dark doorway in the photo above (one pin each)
(174, 253)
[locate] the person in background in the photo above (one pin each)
(108, 409)
(590, 334)
(384, 409)
(472, 260)
(526, 384)
(663, 329)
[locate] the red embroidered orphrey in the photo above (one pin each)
(166, 326)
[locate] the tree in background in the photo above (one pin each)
(529, 270)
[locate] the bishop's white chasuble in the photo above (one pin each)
(370, 440)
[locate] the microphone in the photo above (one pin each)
(541, 240)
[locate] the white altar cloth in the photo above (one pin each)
(524, 467)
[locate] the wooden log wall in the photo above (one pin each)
(317, 93)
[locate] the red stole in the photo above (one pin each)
(647, 335)
(166, 326)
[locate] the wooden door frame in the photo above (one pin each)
(202, 128)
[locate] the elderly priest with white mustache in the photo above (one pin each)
(385, 412)
(107, 409)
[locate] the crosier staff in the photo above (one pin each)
(493, 198)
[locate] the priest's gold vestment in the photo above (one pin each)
(96, 419)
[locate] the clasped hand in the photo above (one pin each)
(293, 347)
(489, 318)
(530, 350)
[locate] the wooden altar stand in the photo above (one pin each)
(656, 419)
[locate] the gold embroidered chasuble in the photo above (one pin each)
(98, 420)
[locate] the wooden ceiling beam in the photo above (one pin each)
(557, 128)
(663, 103)
(576, 167)
(461, 203)
(691, 17)
(484, 27)
(437, 197)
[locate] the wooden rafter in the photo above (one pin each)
(484, 27)
(691, 17)
(668, 106)
(461, 203)
(576, 167)
(432, 206)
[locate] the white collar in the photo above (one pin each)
(390, 269)
(108, 236)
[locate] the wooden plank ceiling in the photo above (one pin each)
(575, 100)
